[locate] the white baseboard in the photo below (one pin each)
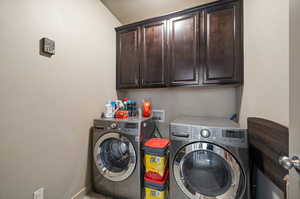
(82, 193)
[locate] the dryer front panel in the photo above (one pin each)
(114, 156)
(205, 170)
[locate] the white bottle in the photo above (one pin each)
(108, 110)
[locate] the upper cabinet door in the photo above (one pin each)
(154, 54)
(223, 54)
(128, 58)
(183, 50)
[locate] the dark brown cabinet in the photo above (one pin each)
(154, 54)
(183, 49)
(128, 58)
(222, 63)
(199, 46)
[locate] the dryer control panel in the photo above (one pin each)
(234, 137)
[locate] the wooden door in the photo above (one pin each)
(154, 54)
(128, 58)
(223, 53)
(183, 50)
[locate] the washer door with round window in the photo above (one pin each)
(115, 156)
(204, 170)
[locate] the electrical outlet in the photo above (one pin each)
(159, 115)
(39, 194)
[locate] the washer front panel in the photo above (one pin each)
(189, 187)
(106, 172)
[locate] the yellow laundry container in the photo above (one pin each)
(155, 189)
(156, 158)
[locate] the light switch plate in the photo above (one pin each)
(159, 115)
(39, 194)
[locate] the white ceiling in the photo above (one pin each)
(128, 11)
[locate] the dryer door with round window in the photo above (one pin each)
(114, 156)
(205, 170)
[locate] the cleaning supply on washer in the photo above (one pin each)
(156, 158)
(108, 110)
(114, 105)
(146, 109)
(125, 102)
(120, 105)
(121, 114)
(134, 109)
(129, 108)
(156, 189)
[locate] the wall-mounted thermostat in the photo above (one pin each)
(48, 46)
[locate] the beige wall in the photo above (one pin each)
(129, 11)
(266, 89)
(219, 102)
(47, 104)
(266, 44)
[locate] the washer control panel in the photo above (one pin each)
(130, 128)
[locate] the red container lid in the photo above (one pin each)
(161, 182)
(157, 143)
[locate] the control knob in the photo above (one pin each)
(113, 125)
(205, 133)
